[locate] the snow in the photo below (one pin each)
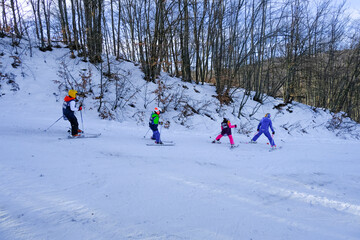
(116, 187)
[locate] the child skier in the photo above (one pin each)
(153, 124)
(263, 128)
(226, 131)
(69, 109)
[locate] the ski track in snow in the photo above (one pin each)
(49, 209)
(54, 210)
(281, 195)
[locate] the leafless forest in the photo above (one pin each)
(306, 51)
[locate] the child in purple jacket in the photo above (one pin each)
(226, 131)
(263, 128)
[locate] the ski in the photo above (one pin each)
(244, 142)
(160, 145)
(83, 135)
(275, 148)
(162, 141)
(231, 146)
(86, 135)
(234, 146)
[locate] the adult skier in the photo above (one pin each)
(226, 131)
(69, 109)
(263, 128)
(153, 124)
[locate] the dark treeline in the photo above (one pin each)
(293, 49)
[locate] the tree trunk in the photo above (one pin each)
(62, 21)
(40, 26)
(15, 22)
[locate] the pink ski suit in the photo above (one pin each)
(226, 130)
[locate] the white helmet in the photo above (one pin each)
(157, 110)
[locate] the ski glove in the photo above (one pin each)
(273, 133)
(161, 123)
(235, 126)
(80, 108)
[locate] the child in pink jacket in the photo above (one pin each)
(226, 131)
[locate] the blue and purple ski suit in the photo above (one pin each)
(263, 128)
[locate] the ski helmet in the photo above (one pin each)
(225, 120)
(72, 93)
(268, 115)
(157, 110)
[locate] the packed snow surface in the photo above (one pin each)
(117, 187)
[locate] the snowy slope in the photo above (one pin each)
(116, 187)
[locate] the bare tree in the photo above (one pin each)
(13, 4)
(93, 24)
(4, 24)
(63, 21)
(184, 40)
(46, 10)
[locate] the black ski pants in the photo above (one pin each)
(74, 124)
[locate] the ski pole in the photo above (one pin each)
(272, 136)
(146, 132)
(160, 128)
(82, 122)
(53, 124)
(160, 131)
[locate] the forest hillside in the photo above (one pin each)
(307, 51)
